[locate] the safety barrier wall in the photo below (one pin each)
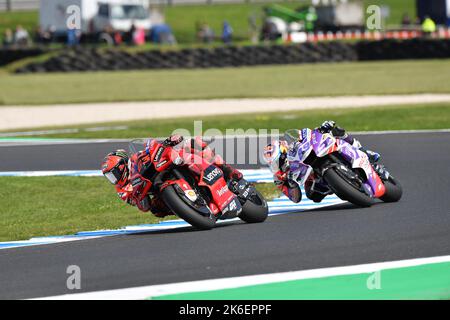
(10, 55)
(407, 49)
(88, 59)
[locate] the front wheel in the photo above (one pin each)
(345, 190)
(184, 211)
(255, 209)
(393, 192)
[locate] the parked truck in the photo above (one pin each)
(344, 15)
(291, 25)
(96, 15)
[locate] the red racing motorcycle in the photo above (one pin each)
(193, 188)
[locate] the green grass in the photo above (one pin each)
(326, 79)
(434, 116)
(420, 282)
(183, 18)
(48, 206)
(10, 20)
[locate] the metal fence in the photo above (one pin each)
(14, 5)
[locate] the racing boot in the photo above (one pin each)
(230, 172)
(380, 169)
(374, 157)
(159, 208)
(232, 176)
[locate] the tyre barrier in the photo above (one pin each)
(10, 55)
(91, 59)
(407, 49)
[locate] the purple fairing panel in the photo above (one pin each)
(348, 152)
(316, 139)
(321, 145)
(372, 182)
(300, 151)
(297, 166)
(300, 171)
(359, 159)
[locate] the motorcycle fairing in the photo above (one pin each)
(212, 178)
(324, 144)
(224, 204)
(359, 159)
(300, 171)
(162, 158)
(189, 196)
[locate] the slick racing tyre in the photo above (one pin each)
(184, 211)
(393, 192)
(346, 190)
(255, 209)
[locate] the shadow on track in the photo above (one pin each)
(187, 229)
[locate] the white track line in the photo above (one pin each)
(19, 117)
(139, 293)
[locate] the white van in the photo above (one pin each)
(96, 15)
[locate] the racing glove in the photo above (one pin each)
(280, 177)
(327, 126)
(330, 126)
(173, 140)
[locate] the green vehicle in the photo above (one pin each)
(307, 16)
(330, 17)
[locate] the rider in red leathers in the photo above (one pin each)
(118, 166)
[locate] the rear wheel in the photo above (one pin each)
(345, 189)
(184, 211)
(393, 192)
(255, 209)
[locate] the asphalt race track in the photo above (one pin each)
(418, 226)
